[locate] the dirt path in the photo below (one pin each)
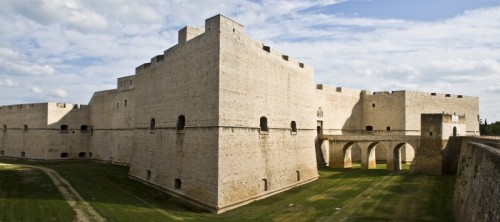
(84, 212)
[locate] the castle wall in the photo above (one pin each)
(112, 122)
(182, 81)
(34, 131)
(339, 109)
(478, 175)
(256, 81)
(420, 102)
(432, 154)
(384, 112)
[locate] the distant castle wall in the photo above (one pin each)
(44, 131)
(338, 109)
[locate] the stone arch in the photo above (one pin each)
(401, 153)
(347, 154)
(371, 155)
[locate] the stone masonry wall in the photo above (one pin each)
(257, 81)
(182, 82)
(477, 190)
(112, 123)
(421, 102)
(384, 112)
(339, 108)
(34, 131)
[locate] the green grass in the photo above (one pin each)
(29, 195)
(339, 194)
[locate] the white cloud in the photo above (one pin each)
(90, 43)
(36, 90)
(8, 82)
(58, 93)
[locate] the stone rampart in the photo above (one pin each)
(477, 190)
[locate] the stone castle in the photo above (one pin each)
(221, 120)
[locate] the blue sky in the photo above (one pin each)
(64, 50)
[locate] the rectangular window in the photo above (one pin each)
(125, 103)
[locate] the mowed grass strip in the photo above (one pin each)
(339, 195)
(29, 195)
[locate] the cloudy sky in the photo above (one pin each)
(64, 50)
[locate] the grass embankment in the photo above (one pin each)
(339, 195)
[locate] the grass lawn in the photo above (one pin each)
(29, 195)
(339, 195)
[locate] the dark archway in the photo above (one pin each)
(181, 123)
(263, 124)
(152, 124)
(178, 184)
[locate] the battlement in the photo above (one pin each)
(23, 106)
(281, 56)
(187, 33)
(125, 83)
(337, 90)
(221, 23)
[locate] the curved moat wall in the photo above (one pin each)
(477, 189)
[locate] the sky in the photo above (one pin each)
(64, 50)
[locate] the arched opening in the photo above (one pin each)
(263, 124)
(23, 154)
(178, 184)
(298, 175)
(454, 131)
(181, 123)
(152, 124)
(82, 154)
(84, 128)
(64, 155)
(148, 175)
(264, 185)
(64, 128)
(403, 155)
(293, 125)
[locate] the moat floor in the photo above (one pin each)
(28, 194)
